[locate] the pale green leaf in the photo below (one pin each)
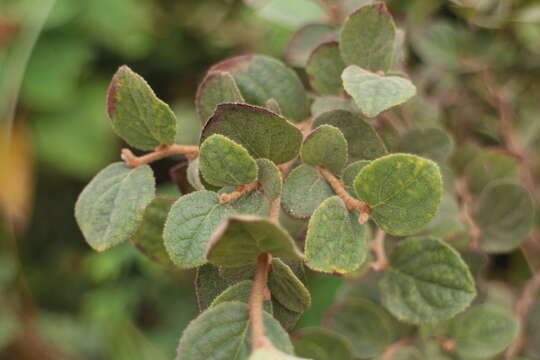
(305, 40)
(403, 192)
(270, 178)
(374, 93)
(286, 288)
(263, 133)
(191, 222)
(321, 344)
(253, 203)
(327, 147)
(216, 88)
(111, 207)
(335, 241)
(223, 162)
(427, 282)
(137, 115)
(292, 13)
(368, 37)
(324, 68)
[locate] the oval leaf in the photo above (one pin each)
(286, 288)
(324, 69)
(427, 282)
(403, 192)
(431, 143)
(269, 178)
(305, 40)
(209, 284)
(191, 222)
(137, 115)
(111, 207)
(263, 133)
(335, 241)
(321, 344)
(489, 166)
(223, 162)
(216, 88)
(325, 146)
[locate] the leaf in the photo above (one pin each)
(335, 241)
(447, 222)
(325, 146)
(483, 332)
(287, 318)
(505, 215)
(209, 285)
(403, 191)
(149, 238)
(374, 93)
(431, 143)
(111, 207)
(292, 14)
(269, 178)
(272, 354)
(324, 68)
(303, 191)
(240, 292)
(321, 344)
(216, 88)
(241, 239)
(364, 142)
(350, 172)
(193, 175)
(489, 166)
(191, 222)
(305, 40)
(137, 115)
(223, 332)
(366, 325)
(223, 162)
(253, 203)
(263, 133)
(261, 78)
(286, 288)
(367, 38)
(427, 282)
(322, 104)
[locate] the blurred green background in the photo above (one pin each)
(59, 299)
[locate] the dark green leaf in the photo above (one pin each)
(216, 88)
(110, 208)
(305, 40)
(137, 115)
(427, 282)
(263, 133)
(303, 191)
(324, 68)
(325, 146)
(287, 318)
(209, 285)
(223, 162)
(335, 241)
(240, 292)
(350, 173)
(286, 288)
(269, 178)
(321, 344)
(403, 192)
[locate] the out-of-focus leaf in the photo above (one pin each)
(321, 344)
(305, 40)
(292, 13)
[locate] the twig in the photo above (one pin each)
(159, 152)
(392, 349)
(466, 212)
(259, 293)
(377, 245)
(350, 202)
(240, 190)
(523, 306)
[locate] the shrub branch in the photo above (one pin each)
(377, 245)
(259, 293)
(160, 152)
(240, 190)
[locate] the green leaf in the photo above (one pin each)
(292, 14)
(216, 88)
(325, 146)
(505, 215)
(193, 175)
(305, 40)
(149, 238)
(447, 222)
(303, 191)
(489, 166)
(261, 78)
(223, 162)
(223, 332)
(324, 68)
(272, 354)
(483, 332)
(253, 203)
(322, 104)
(269, 178)
(241, 239)
(431, 143)
(427, 282)
(240, 292)
(111, 207)
(137, 115)
(209, 285)
(368, 37)
(374, 93)
(191, 222)
(321, 344)
(403, 192)
(287, 318)
(286, 288)
(263, 133)
(364, 142)
(367, 326)
(350, 173)
(335, 241)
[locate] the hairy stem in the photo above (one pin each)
(377, 246)
(350, 202)
(159, 152)
(240, 190)
(259, 293)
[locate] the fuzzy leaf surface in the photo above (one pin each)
(137, 115)
(216, 88)
(111, 207)
(324, 68)
(427, 282)
(286, 288)
(325, 146)
(270, 178)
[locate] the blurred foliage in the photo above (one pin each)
(472, 61)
